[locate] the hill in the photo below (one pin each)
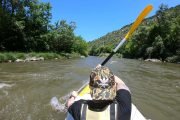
(157, 37)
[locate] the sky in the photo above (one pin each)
(95, 18)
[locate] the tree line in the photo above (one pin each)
(25, 26)
(158, 37)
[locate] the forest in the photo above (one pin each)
(158, 37)
(25, 26)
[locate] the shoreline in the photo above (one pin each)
(35, 56)
(173, 59)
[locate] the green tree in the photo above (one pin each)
(37, 19)
(80, 46)
(22, 23)
(65, 37)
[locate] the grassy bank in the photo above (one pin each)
(13, 56)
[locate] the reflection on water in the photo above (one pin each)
(26, 88)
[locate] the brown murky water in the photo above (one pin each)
(26, 88)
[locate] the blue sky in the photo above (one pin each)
(95, 18)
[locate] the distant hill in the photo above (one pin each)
(155, 23)
(113, 38)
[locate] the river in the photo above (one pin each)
(26, 88)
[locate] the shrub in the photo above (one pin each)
(10, 56)
(173, 59)
(20, 55)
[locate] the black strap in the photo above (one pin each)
(83, 113)
(113, 111)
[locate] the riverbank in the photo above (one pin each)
(32, 56)
(173, 59)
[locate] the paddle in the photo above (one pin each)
(139, 19)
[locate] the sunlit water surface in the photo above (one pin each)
(26, 88)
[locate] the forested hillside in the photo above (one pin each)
(157, 37)
(25, 27)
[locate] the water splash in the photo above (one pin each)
(59, 105)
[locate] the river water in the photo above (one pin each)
(26, 88)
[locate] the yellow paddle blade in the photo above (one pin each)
(143, 14)
(85, 90)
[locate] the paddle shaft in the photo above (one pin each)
(113, 52)
(107, 59)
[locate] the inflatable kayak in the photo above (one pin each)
(83, 93)
(135, 113)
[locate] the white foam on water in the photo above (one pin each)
(113, 62)
(2, 85)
